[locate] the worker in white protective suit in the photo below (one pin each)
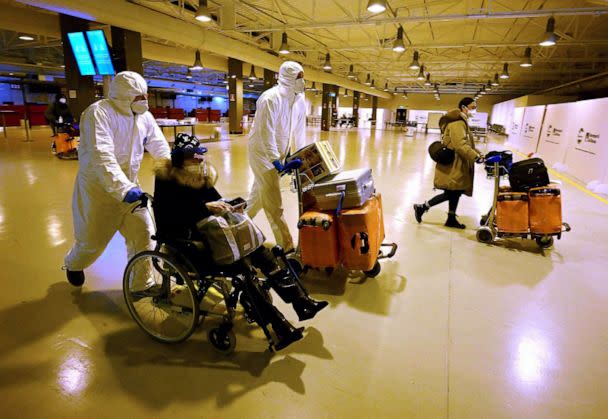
(279, 127)
(114, 133)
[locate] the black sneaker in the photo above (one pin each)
(419, 210)
(75, 278)
(453, 223)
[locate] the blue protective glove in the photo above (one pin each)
(133, 195)
(277, 165)
(294, 164)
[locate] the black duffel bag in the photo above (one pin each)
(527, 174)
(440, 153)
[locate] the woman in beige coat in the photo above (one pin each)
(456, 178)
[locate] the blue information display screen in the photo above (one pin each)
(101, 53)
(81, 53)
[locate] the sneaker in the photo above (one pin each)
(75, 278)
(453, 223)
(419, 210)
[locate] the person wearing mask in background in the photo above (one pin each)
(279, 127)
(113, 135)
(456, 178)
(58, 112)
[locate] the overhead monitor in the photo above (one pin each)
(81, 53)
(101, 53)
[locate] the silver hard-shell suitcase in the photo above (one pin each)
(350, 187)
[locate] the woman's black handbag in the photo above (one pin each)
(440, 153)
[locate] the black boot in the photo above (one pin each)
(285, 286)
(419, 210)
(306, 308)
(453, 222)
(75, 278)
(286, 334)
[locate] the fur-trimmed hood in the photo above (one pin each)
(164, 170)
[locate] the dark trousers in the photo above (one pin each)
(452, 196)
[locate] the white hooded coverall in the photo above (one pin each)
(279, 125)
(111, 149)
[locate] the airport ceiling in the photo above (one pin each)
(462, 44)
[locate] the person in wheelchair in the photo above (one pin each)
(185, 194)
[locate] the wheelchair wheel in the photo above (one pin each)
(168, 312)
(223, 341)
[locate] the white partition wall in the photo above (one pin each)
(479, 120)
(557, 130)
(587, 151)
(530, 129)
(515, 125)
(502, 114)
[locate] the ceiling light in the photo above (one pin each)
(550, 38)
(368, 80)
(527, 62)
(284, 45)
(225, 80)
(398, 45)
(26, 37)
(345, 92)
(314, 87)
(415, 65)
(327, 64)
(366, 97)
(198, 65)
(252, 73)
(202, 13)
(386, 87)
(496, 82)
(188, 74)
(428, 79)
(351, 73)
(505, 71)
(233, 76)
(251, 85)
(421, 73)
(376, 6)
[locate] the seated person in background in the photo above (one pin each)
(58, 112)
(184, 194)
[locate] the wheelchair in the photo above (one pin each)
(172, 313)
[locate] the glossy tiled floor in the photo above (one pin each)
(450, 328)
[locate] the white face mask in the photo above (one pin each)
(63, 100)
(300, 85)
(139, 106)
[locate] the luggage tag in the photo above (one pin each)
(342, 190)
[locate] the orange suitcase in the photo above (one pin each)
(545, 209)
(512, 212)
(361, 232)
(319, 239)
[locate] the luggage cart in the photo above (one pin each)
(293, 258)
(488, 231)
